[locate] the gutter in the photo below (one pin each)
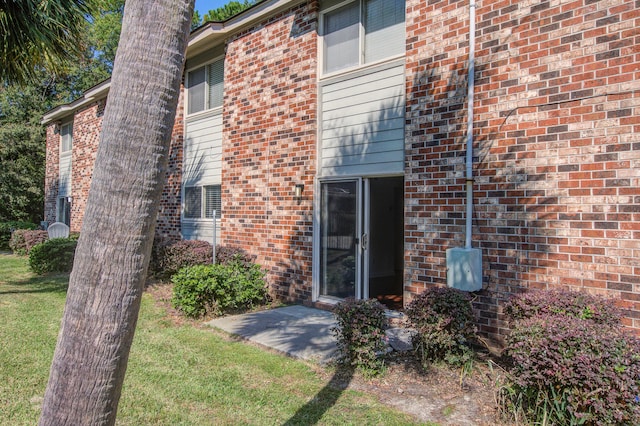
(99, 91)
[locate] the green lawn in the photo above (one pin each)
(177, 375)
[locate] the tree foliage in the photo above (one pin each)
(24, 101)
(35, 34)
(228, 10)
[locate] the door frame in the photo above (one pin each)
(316, 255)
(362, 229)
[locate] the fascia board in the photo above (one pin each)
(98, 91)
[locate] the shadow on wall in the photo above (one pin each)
(51, 200)
(510, 207)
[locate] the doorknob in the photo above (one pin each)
(365, 240)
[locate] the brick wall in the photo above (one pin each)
(168, 223)
(87, 124)
(557, 147)
(269, 135)
(52, 173)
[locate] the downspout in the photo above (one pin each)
(470, 89)
(464, 265)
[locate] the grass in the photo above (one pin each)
(177, 375)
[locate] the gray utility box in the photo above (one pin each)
(464, 268)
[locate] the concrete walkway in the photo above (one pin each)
(297, 331)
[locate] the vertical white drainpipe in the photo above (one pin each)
(464, 265)
(470, 89)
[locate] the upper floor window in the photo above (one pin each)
(66, 137)
(204, 87)
(362, 32)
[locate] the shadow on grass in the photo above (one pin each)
(51, 283)
(312, 411)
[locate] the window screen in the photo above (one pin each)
(193, 202)
(341, 37)
(212, 201)
(196, 86)
(215, 79)
(66, 137)
(384, 29)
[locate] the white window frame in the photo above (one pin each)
(361, 39)
(203, 202)
(206, 92)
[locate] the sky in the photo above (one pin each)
(203, 6)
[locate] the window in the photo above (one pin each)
(362, 32)
(212, 201)
(66, 137)
(201, 201)
(193, 202)
(63, 213)
(204, 87)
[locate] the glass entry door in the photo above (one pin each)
(339, 243)
(361, 250)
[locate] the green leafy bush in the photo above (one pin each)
(218, 288)
(360, 333)
(168, 257)
(23, 240)
(55, 255)
(569, 361)
(444, 322)
(6, 228)
(563, 302)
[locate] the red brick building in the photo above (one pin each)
(330, 138)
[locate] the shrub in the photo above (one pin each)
(361, 333)
(565, 303)
(6, 228)
(55, 255)
(444, 322)
(228, 254)
(218, 288)
(567, 370)
(169, 257)
(23, 240)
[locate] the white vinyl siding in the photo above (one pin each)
(205, 87)
(202, 175)
(362, 32)
(362, 123)
(203, 151)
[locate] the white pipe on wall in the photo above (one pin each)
(469, 157)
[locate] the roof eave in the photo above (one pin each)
(201, 39)
(97, 92)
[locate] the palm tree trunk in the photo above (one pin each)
(113, 251)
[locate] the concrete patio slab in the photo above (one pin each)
(297, 331)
